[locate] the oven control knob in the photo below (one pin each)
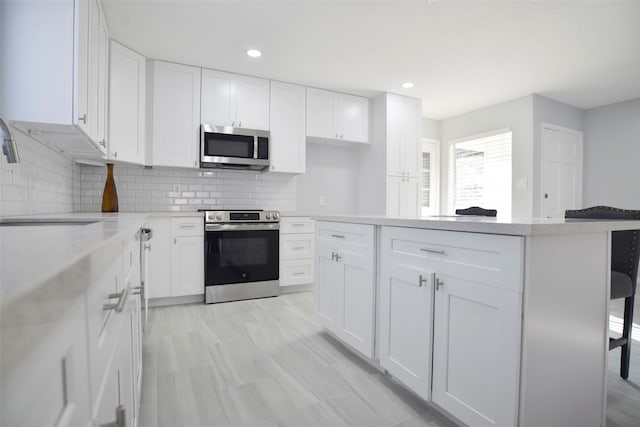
(268, 215)
(276, 215)
(219, 216)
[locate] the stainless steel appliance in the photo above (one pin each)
(233, 148)
(241, 255)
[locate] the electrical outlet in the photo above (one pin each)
(321, 200)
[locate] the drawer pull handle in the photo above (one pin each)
(433, 251)
(338, 236)
(187, 226)
(122, 298)
(421, 281)
(298, 273)
(299, 224)
(297, 248)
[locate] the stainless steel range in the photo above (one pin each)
(241, 255)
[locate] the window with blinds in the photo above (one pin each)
(480, 172)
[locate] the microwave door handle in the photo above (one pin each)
(255, 147)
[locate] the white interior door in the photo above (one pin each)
(561, 170)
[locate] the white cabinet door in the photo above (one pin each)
(406, 308)
(336, 116)
(403, 196)
(404, 128)
(329, 289)
(287, 145)
(252, 102)
(102, 97)
(476, 346)
(321, 116)
(359, 285)
(234, 100)
(187, 266)
(345, 282)
(218, 98)
(159, 259)
(127, 105)
(176, 115)
(353, 118)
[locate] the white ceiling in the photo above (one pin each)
(461, 55)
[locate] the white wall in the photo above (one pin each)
(516, 115)
(42, 182)
(546, 110)
(430, 128)
(612, 155)
(332, 171)
(152, 190)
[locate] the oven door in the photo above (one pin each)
(241, 253)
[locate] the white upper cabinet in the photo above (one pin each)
(287, 145)
(403, 196)
(54, 72)
(403, 136)
(234, 100)
(176, 115)
(127, 105)
(337, 117)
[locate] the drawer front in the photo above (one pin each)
(355, 237)
(184, 227)
(296, 246)
(104, 324)
(131, 257)
(483, 258)
(296, 272)
(289, 225)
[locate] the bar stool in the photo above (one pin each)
(625, 251)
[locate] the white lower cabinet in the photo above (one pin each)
(345, 282)
(407, 280)
(448, 312)
(296, 251)
(176, 258)
(477, 327)
(467, 288)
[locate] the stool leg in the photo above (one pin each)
(626, 333)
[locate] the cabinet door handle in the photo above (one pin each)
(83, 119)
(233, 123)
(338, 236)
(103, 143)
(422, 281)
(433, 251)
(333, 256)
(342, 135)
(121, 418)
(115, 154)
(438, 284)
(338, 257)
(122, 298)
(239, 124)
(147, 246)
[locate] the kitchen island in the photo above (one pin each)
(498, 322)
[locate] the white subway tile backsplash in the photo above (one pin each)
(143, 189)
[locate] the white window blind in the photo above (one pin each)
(426, 179)
(480, 172)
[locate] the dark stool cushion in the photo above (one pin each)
(621, 286)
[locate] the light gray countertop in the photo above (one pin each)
(487, 225)
(32, 254)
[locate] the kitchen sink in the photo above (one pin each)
(16, 222)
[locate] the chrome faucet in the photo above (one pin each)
(9, 147)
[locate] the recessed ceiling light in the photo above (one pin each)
(254, 53)
(407, 85)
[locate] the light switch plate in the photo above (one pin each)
(522, 183)
(321, 200)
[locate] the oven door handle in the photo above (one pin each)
(242, 227)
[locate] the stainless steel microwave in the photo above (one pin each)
(233, 148)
